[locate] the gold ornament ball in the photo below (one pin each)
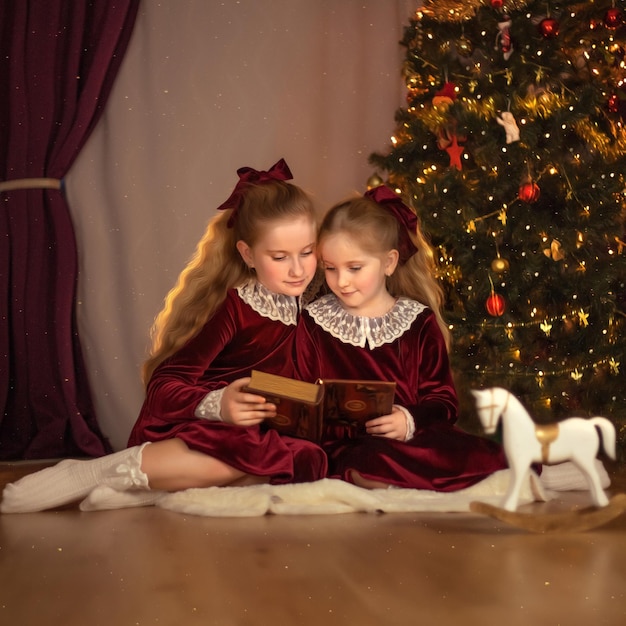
(374, 181)
(464, 46)
(500, 265)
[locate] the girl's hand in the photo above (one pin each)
(392, 426)
(243, 408)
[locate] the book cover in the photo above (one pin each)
(303, 408)
(357, 401)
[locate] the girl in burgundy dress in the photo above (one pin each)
(382, 321)
(235, 308)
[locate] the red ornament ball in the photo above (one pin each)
(495, 305)
(497, 4)
(549, 27)
(529, 192)
(613, 103)
(613, 18)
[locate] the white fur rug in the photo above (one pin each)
(330, 496)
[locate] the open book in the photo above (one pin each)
(303, 408)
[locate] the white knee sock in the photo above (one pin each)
(567, 477)
(104, 498)
(72, 480)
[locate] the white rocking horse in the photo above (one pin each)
(525, 442)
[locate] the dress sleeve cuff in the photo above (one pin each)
(410, 422)
(210, 407)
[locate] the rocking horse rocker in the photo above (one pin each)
(575, 439)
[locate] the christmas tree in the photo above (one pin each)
(512, 150)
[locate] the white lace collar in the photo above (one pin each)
(328, 313)
(266, 303)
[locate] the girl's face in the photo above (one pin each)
(283, 255)
(357, 277)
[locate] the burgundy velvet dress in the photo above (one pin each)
(406, 346)
(253, 329)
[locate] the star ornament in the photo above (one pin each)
(583, 318)
(576, 375)
(546, 327)
(614, 365)
(455, 151)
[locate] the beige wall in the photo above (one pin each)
(206, 87)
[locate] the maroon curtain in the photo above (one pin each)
(58, 61)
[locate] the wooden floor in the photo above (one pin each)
(152, 566)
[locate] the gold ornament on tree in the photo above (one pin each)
(464, 46)
(500, 265)
(374, 181)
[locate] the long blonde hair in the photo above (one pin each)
(377, 232)
(216, 266)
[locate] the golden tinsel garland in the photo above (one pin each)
(485, 108)
(542, 105)
(461, 10)
(611, 148)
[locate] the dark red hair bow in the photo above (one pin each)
(390, 201)
(247, 175)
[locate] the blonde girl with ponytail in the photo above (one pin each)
(234, 308)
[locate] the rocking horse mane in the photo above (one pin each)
(502, 399)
